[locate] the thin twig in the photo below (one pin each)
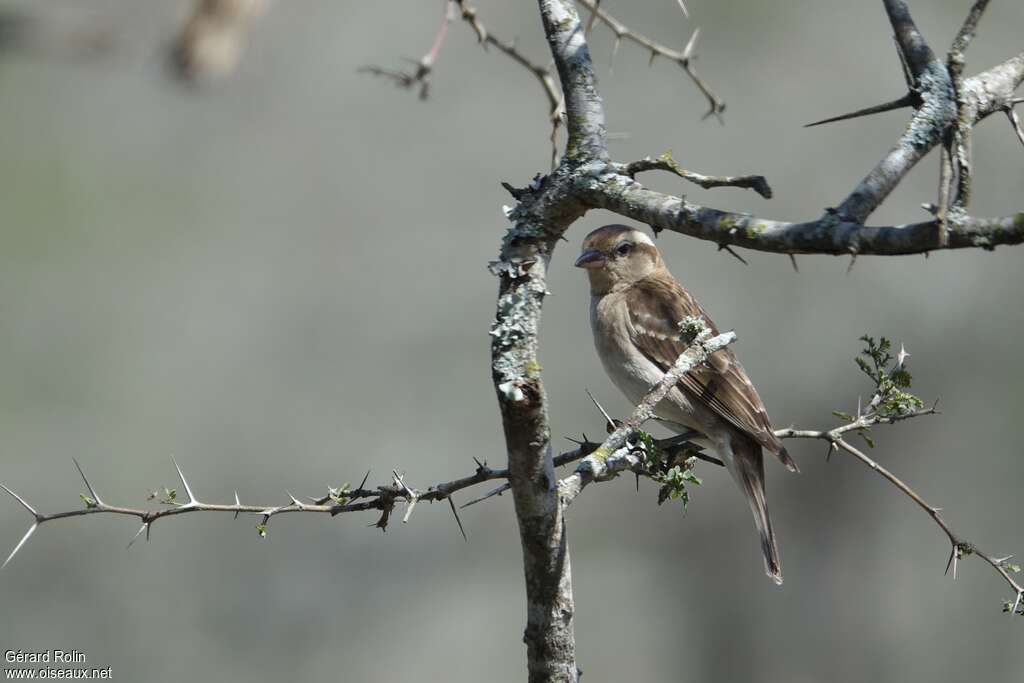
(684, 58)
(834, 437)
(666, 162)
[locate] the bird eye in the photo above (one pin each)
(624, 248)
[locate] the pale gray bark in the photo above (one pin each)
(586, 178)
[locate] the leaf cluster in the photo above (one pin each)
(891, 378)
(672, 470)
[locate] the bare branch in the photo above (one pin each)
(960, 546)
(421, 75)
(556, 108)
(967, 30)
(684, 57)
(665, 162)
(912, 46)
(827, 235)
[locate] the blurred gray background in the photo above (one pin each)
(280, 279)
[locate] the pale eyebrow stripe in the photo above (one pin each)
(642, 237)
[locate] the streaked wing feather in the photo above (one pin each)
(656, 307)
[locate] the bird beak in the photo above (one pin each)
(591, 259)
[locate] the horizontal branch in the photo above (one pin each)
(597, 462)
(827, 235)
(665, 162)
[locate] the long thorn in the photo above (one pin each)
(24, 538)
(144, 527)
(92, 491)
(729, 249)
(496, 492)
(611, 422)
(188, 490)
(238, 503)
(363, 482)
(691, 43)
(22, 501)
(905, 101)
(459, 521)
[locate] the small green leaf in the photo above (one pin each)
(89, 501)
(339, 495)
(261, 529)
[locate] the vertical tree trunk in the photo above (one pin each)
(544, 212)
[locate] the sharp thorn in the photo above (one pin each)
(691, 44)
(792, 259)
(363, 482)
(238, 503)
(496, 492)
(144, 527)
(905, 101)
(188, 490)
(611, 422)
(295, 501)
(92, 491)
(22, 501)
(952, 557)
(729, 249)
(24, 538)
(455, 512)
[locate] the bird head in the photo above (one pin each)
(617, 256)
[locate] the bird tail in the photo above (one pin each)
(748, 471)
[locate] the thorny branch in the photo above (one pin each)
(420, 76)
(598, 462)
(424, 67)
(946, 106)
(665, 162)
(684, 58)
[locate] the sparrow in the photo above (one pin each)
(636, 307)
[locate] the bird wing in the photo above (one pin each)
(656, 306)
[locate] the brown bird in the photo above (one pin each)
(636, 307)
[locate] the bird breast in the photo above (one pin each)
(629, 369)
